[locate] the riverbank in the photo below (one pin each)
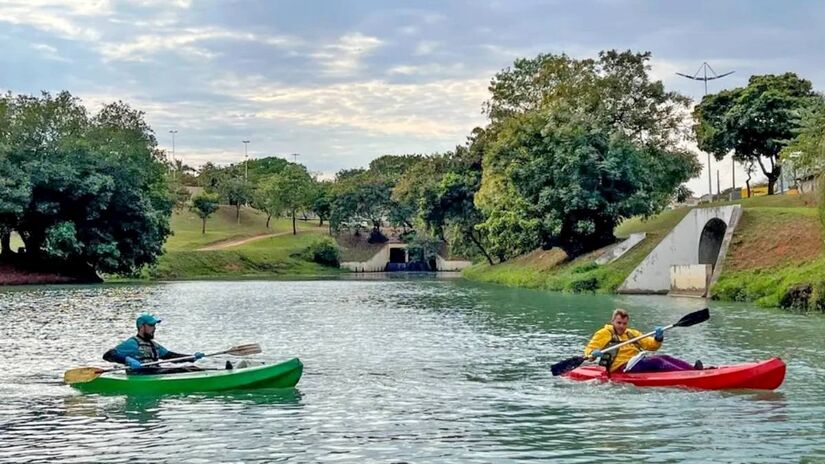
(230, 249)
(776, 252)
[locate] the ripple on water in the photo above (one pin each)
(399, 370)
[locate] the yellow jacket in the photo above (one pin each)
(606, 335)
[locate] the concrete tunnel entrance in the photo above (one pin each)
(710, 241)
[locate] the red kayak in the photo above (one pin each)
(762, 375)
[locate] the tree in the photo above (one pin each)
(292, 188)
(362, 197)
(615, 90)
(755, 122)
(441, 189)
(265, 198)
(807, 149)
(204, 204)
(263, 168)
(322, 201)
(237, 192)
(575, 146)
(95, 189)
(574, 181)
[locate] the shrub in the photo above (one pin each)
(324, 251)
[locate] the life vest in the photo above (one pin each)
(147, 349)
(607, 358)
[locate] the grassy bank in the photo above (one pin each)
(223, 226)
(777, 245)
(773, 250)
(551, 270)
(265, 256)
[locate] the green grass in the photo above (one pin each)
(273, 256)
(662, 222)
(805, 200)
(767, 286)
(223, 226)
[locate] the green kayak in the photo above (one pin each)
(282, 375)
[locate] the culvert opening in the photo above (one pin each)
(711, 241)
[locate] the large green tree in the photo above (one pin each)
(574, 147)
(292, 189)
(755, 122)
(94, 188)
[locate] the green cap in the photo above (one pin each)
(146, 319)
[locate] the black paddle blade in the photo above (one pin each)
(693, 318)
(567, 365)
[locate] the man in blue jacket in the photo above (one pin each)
(142, 348)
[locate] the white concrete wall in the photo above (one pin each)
(621, 248)
(442, 264)
(680, 246)
(690, 279)
(375, 264)
(379, 261)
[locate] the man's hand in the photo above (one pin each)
(133, 363)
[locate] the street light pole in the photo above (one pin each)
(704, 78)
(245, 160)
(174, 168)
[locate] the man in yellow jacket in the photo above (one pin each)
(617, 332)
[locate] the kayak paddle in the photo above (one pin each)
(687, 320)
(86, 374)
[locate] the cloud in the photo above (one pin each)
(185, 42)
(430, 69)
(425, 47)
(444, 109)
(48, 52)
(344, 56)
(54, 17)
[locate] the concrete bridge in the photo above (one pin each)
(689, 259)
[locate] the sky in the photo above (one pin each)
(342, 82)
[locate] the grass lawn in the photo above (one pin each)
(223, 226)
(272, 256)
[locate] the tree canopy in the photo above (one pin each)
(89, 193)
(755, 122)
(574, 147)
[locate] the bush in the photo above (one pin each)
(586, 268)
(817, 300)
(587, 284)
(324, 251)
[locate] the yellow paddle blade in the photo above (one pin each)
(82, 374)
(244, 350)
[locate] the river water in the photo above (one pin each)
(399, 370)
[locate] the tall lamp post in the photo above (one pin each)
(705, 78)
(173, 132)
(245, 160)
